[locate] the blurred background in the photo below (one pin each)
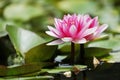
(36, 15)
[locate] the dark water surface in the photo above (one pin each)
(106, 71)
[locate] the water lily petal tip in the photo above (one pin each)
(55, 42)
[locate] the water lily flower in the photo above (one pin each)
(75, 28)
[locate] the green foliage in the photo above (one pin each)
(22, 12)
(27, 21)
(64, 69)
(90, 51)
(40, 53)
(23, 40)
(97, 52)
(77, 6)
(2, 28)
(29, 78)
(110, 44)
(19, 70)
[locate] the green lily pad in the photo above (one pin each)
(63, 69)
(40, 53)
(90, 51)
(23, 40)
(29, 78)
(19, 70)
(97, 52)
(113, 44)
(113, 58)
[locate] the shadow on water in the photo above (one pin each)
(106, 71)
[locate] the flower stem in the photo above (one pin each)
(72, 53)
(83, 75)
(82, 59)
(82, 54)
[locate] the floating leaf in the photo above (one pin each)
(98, 52)
(110, 44)
(23, 40)
(19, 70)
(56, 70)
(66, 47)
(90, 51)
(29, 78)
(113, 58)
(40, 53)
(64, 69)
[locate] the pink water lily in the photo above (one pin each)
(75, 28)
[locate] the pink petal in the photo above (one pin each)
(94, 22)
(87, 25)
(56, 42)
(65, 18)
(51, 34)
(67, 39)
(58, 23)
(65, 30)
(55, 31)
(101, 29)
(81, 21)
(73, 30)
(81, 41)
(85, 28)
(89, 37)
(51, 28)
(79, 17)
(88, 32)
(88, 18)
